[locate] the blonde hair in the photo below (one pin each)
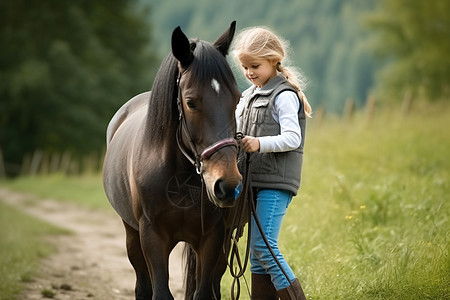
(262, 43)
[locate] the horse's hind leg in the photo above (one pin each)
(143, 288)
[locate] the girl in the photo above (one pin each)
(271, 115)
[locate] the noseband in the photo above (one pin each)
(196, 159)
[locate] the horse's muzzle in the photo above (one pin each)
(220, 172)
(225, 193)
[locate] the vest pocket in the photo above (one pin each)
(264, 163)
(259, 111)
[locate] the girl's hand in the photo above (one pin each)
(250, 144)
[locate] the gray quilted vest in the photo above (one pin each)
(279, 170)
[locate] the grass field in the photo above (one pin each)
(372, 218)
(22, 245)
(85, 190)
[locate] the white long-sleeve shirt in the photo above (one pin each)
(285, 113)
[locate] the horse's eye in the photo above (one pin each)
(190, 104)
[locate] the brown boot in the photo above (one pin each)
(262, 287)
(292, 292)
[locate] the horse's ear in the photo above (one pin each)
(224, 41)
(181, 48)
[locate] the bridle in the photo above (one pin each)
(195, 158)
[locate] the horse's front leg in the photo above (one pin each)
(210, 267)
(156, 248)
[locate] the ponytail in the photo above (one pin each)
(296, 81)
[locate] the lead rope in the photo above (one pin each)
(247, 193)
(243, 207)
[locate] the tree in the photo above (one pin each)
(413, 37)
(65, 68)
(326, 39)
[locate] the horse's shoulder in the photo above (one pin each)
(124, 112)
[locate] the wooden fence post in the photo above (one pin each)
(370, 109)
(348, 109)
(319, 116)
(54, 162)
(35, 162)
(75, 167)
(90, 163)
(26, 165)
(407, 102)
(2, 165)
(65, 163)
(45, 164)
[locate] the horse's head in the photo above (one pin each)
(207, 98)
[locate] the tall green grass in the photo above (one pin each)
(22, 245)
(371, 220)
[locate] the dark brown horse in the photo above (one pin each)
(163, 156)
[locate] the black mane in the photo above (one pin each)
(162, 116)
(208, 63)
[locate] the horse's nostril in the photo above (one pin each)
(223, 191)
(219, 189)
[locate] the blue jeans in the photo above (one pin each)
(271, 206)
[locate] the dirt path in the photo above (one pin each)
(91, 263)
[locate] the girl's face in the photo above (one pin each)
(258, 71)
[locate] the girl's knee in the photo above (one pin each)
(264, 256)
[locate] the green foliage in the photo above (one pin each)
(21, 247)
(327, 39)
(65, 68)
(414, 38)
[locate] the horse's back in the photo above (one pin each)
(130, 107)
